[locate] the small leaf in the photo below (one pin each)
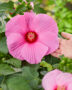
(2, 24)
(3, 46)
(47, 65)
(38, 9)
(14, 62)
(6, 69)
(21, 9)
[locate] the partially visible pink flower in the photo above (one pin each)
(32, 4)
(30, 37)
(57, 80)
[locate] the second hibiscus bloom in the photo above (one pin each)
(30, 37)
(57, 80)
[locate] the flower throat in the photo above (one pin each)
(31, 37)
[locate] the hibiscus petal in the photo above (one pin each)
(49, 39)
(19, 23)
(43, 22)
(49, 80)
(33, 53)
(29, 17)
(16, 25)
(64, 79)
(69, 86)
(15, 43)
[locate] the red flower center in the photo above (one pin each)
(60, 88)
(31, 37)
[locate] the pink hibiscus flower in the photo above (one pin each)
(57, 80)
(30, 37)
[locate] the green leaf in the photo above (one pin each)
(39, 9)
(6, 69)
(6, 6)
(33, 76)
(17, 83)
(3, 45)
(21, 9)
(14, 62)
(47, 65)
(2, 24)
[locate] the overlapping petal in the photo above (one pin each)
(69, 86)
(15, 44)
(49, 39)
(34, 53)
(43, 23)
(64, 79)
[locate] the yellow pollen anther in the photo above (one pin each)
(61, 88)
(31, 37)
